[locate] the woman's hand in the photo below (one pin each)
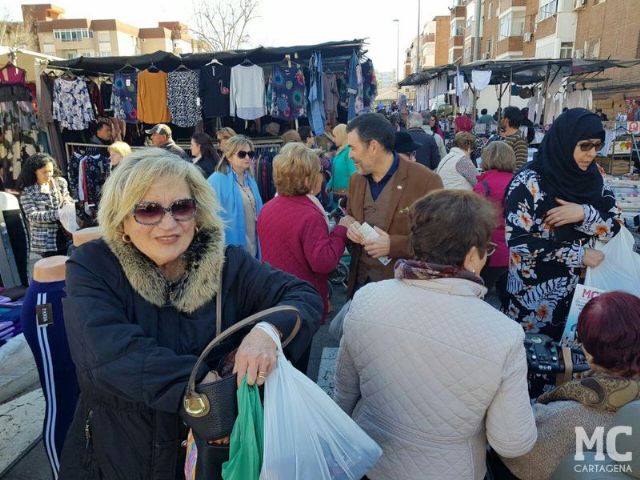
(592, 258)
(565, 214)
(353, 232)
(256, 357)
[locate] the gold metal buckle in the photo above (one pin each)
(197, 405)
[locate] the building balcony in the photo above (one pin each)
(507, 4)
(509, 44)
(459, 12)
(429, 38)
(456, 41)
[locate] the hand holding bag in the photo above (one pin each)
(210, 409)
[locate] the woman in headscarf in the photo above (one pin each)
(556, 208)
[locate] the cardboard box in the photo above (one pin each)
(615, 166)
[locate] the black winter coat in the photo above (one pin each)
(428, 154)
(134, 341)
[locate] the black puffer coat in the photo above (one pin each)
(134, 342)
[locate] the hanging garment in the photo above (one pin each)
(355, 89)
(532, 105)
(45, 100)
(247, 92)
(183, 97)
(124, 96)
(105, 92)
(288, 91)
(214, 88)
(96, 98)
(12, 75)
(459, 83)
(465, 100)
(152, 97)
(71, 104)
(480, 79)
(369, 85)
(47, 338)
(316, 95)
(331, 97)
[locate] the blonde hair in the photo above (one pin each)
(226, 133)
(121, 148)
(233, 145)
(295, 169)
(339, 133)
(498, 156)
(128, 184)
(290, 136)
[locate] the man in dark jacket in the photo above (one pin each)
(428, 154)
(161, 138)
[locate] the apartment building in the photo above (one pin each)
(457, 27)
(74, 37)
(435, 42)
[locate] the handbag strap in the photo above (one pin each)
(253, 319)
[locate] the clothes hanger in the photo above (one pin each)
(127, 66)
(152, 68)
(246, 63)
(182, 66)
(214, 61)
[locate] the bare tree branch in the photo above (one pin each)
(222, 24)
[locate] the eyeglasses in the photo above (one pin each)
(242, 154)
(152, 213)
(491, 248)
(586, 146)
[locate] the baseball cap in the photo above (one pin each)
(160, 128)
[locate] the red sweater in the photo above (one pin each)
(294, 237)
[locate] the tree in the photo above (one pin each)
(222, 24)
(17, 34)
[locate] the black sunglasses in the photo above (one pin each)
(242, 154)
(151, 213)
(586, 146)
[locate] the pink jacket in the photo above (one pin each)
(493, 185)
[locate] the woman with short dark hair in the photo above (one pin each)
(204, 154)
(425, 365)
(43, 194)
(609, 330)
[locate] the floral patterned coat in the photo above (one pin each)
(543, 271)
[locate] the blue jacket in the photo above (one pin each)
(228, 193)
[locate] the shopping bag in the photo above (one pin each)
(306, 434)
(620, 269)
(246, 444)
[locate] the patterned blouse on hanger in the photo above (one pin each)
(71, 103)
(183, 97)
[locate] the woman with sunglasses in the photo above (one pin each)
(555, 210)
(425, 365)
(141, 307)
(238, 194)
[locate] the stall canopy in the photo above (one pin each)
(332, 52)
(519, 71)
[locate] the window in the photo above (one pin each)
(547, 10)
(49, 48)
(504, 29)
(105, 53)
(104, 37)
(71, 54)
(74, 35)
(566, 50)
(592, 48)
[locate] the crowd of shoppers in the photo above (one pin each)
(426, 367)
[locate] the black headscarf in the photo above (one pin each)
(560, 175)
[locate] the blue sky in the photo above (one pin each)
(281, 22)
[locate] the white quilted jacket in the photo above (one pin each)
(431, 372)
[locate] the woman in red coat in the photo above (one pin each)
(498, 162)
(293, 228)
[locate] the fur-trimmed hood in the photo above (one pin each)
(204, 262)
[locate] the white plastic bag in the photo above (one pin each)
(620, 269)
(67, 217)
(306, 434)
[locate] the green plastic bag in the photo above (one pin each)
(246, 444)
